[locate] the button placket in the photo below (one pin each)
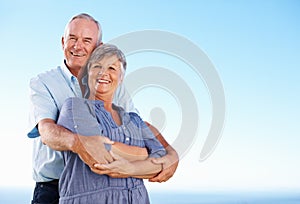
(126, 134)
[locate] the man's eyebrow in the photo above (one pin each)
(88, 38)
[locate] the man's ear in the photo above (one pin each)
(62, 42)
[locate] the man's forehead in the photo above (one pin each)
(82, 26)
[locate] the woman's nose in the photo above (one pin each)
(103, 71)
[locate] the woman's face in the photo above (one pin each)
(104, 78)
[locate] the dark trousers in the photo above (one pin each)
(46, 193)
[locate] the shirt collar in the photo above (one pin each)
(67, 72)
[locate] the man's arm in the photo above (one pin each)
(169, 162)
(90, 149)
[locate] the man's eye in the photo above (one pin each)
(72, 38)
(88, 41)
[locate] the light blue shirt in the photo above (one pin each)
(48, 91)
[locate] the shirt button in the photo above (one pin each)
(127, 139)
(75, 126)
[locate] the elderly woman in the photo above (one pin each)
(95, 114)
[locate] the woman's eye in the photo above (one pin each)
(97, 67)
(112, 68)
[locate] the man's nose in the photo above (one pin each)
(78, 44)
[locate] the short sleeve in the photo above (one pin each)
(77, 116)
(42, 105)
(154, 147)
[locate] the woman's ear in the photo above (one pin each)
(121, 78)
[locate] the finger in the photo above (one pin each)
(86, 158)
(156, 179)
(161, 160)
(118, 175)
(159, 178)
(163, 176)
(107, 140)
(97, 171)
(113, 166)
(108, 158)
(102, 167)
(115, 156)
(104, 160)
(114, 175)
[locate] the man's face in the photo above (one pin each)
(79, 42)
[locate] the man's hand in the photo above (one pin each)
(119, 168)
(169, 163)
(91, 149)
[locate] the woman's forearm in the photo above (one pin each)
(145, 169)
(122, 168)
(130, 153)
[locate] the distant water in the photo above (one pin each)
(226, 198)
(23, 196)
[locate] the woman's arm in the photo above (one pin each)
(163, 169)
(129, 161)
(139, 168)
(122, 168)
(130, 153)
(145, 169)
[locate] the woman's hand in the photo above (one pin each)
(119, 168)
(122, 168)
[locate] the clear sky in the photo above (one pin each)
(253, 45)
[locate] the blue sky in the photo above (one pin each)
(254, 46)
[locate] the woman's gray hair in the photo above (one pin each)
(104, 50)
(90, 18)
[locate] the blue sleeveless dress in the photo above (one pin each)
(78, 184)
